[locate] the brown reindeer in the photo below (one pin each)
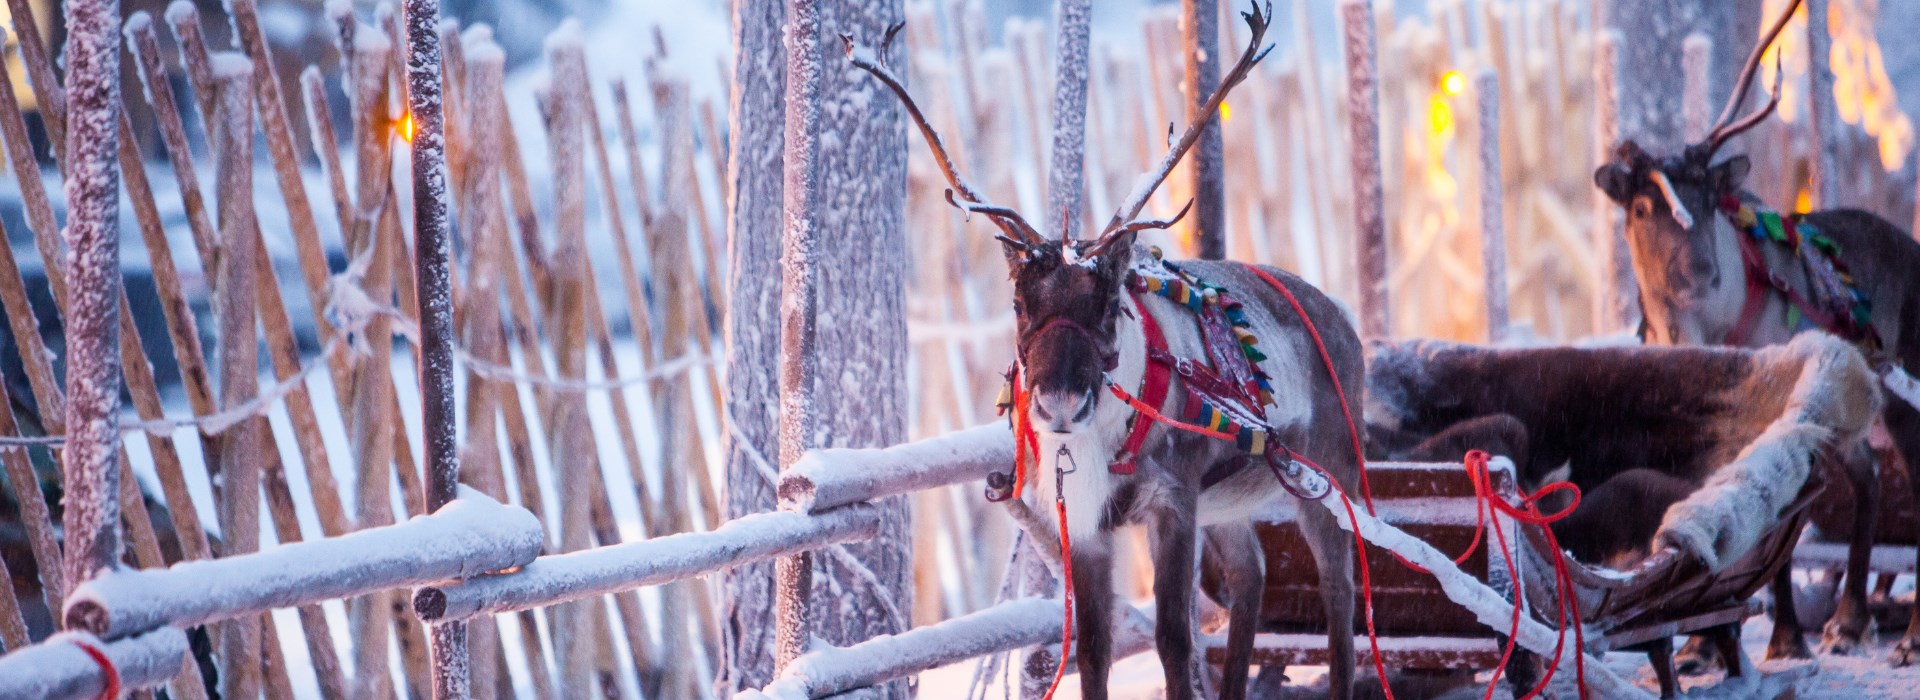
(1080, 331)
(1704, 279)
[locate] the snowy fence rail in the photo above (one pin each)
(825, 479)
(62, 667)
(469, 536)
(611, 569)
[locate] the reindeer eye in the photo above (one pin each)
(1642, 209)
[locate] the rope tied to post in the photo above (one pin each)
(111, 689)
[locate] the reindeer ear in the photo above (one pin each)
(1729, 174)
(1615, 179)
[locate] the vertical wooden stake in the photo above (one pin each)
(1826, 125)
(793, 575)
(1617, 305)
(1493, 237)
(1200, 31)
(1363, 121)
(1696, 62)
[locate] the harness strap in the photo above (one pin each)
(1153, 390)
(1757, 282)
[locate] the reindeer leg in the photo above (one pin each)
(1093, 613)
(1788, 641)
(1333, 555)
(1845, 632)
(1903, 425)
(1234, 551)
(1175, 537)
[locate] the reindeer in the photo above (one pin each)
(1705, 280)
(1080, 333)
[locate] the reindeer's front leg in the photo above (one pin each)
(1846, 631)
(1175, 537)
(1093, 613)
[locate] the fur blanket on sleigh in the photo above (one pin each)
(1737, 430)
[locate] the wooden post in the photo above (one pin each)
(1493, 236)
(92, 479)
(1065, 177)
(1200, 25)
(1695, 62)
(1363, 122)
(1617, 306)
(1825, 121)
(793, 584)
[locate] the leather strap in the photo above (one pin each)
(1153, 389)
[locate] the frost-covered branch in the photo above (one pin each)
(61, 667)
(564, 577)
(470, 536)
(830, 478)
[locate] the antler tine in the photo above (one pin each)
(1136, 226)
(1258, 21)
(1721, 135)
(1008, 220)
(1745, 83)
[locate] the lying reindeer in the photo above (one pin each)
(1082, 336)
(1706, 278)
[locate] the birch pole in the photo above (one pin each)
(1616, 307)
(1363, 122)
(1695, 60)
(1493, 236)
(1200, 25)
(91, 477)
(793, 575)
(754, 200)
(1066, 181)
(432, 277)
(1825, 113)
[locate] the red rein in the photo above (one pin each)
(1026, 451)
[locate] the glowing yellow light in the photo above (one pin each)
(1226, 112)
(1453, 83)
(1440, 115)
(405, 127)
(1803, 202)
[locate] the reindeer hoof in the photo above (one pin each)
(1696, 657)
(1905, 653)
(1841, 638)
(1794, 647)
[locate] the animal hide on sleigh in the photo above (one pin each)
(1742, 426)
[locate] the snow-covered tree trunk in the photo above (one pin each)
(1696, 106)
(239, 447)
(1369, 209)
(1066, 183)
(1827, 127)
(1617, 303)
(756, 109)
(1651, 109)
(433, 280)
(90, 469)
(799, 304)
(1200, 29)
(1493, 235)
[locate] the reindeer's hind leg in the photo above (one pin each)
(1175, 535)
(1903, 425)
(1851, 620)
(1333, 556)
(1234, 552)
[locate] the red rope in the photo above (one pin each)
(1066, 570)
(112, 689)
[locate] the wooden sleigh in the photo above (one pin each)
(1772, 400)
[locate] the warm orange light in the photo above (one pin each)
(1803, 202)
(405, 127)
(1440, 115)
(1453, 83)
(1226, 112)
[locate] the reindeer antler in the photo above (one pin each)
(1125, 220)
(1725, 127)
(1017, 231)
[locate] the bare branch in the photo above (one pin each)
(1009, 221)
(1258, 20)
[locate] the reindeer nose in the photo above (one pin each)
(1061, 410)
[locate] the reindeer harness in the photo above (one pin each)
(1225, 391)
(1835, 303)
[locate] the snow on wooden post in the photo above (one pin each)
(793, 575)
(831, 478)
(61, 668)
(1363, 123)
(755, 109)
(90, 470)
(240, 447)
(1696, 60)
(1493, 236)
(432, 277)
(555, 579)
(1617, 303)
(1065, 180)
(468, 537)
(1200, 32)
(1825, 113)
